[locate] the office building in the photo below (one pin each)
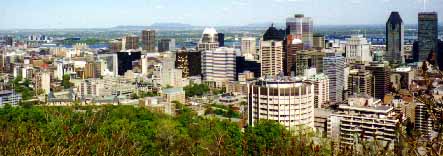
(42, 82)
(358, 50)
(109, 64)
(209, 40)
(321, 90)
(381, 79)
(333, 67)
(273, 33)
(115, 45)
(401, 78)
(423, 121)
(271, 53)
(319, 42)
(360, 82)
(9, 97)
(90, 70)
(125, 61)
(395, 39)
(189, 62)
(364, 118)
(427, 34)
(148, 40)
(166, 45)
(440, 54)
(302, 28)
(218, 65)
(243, 65)
(130, 42)
(221, 39)
(285, 100)
(249, 48)
(308, 59)
(294, 46)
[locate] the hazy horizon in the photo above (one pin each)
(83, 14)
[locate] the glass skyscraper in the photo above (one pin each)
(395, 39)
(427, 34)
(301, 27)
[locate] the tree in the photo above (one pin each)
(196, 90)
(66, 81)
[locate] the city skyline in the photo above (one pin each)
(33, 14)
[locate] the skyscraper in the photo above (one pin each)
(209, 40)
(148, 39)
(294, 46)
(301, 27)
(249, 47)
(189, 62)
(381, 79)
(427, 34)
(319, 42)
(284, 100)
(218, 65)
(130, 42)
(395, 39)
(358, 49)
(125, 60)
(243, 65)
(273, 33)
(333, 67)
(115, 45)
(271, 53)
(166, 45)
(221, 39)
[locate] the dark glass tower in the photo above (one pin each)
(394, 39)
(274, 34)
(243, 65)
(221, 39)
(125, 60)
(427, 34)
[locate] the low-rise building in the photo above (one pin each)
(9, 97)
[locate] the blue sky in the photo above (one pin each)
(109, 13)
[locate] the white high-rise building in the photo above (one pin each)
(46, 82)
(333, 67)
(218, 65)
(321, 90)
(271, 57)
(358, 49)
(144, 61)
(285, 100)
(209, 40)
(249, 47)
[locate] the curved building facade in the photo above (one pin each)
(286, 100)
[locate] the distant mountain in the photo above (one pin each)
(171, 25)
(266, 24)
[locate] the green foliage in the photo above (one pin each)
(223, 110)
(23, 87)
(143, 94)
(66, 81)
(196, 90)
(128, 130)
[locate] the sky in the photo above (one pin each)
(42, 14)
